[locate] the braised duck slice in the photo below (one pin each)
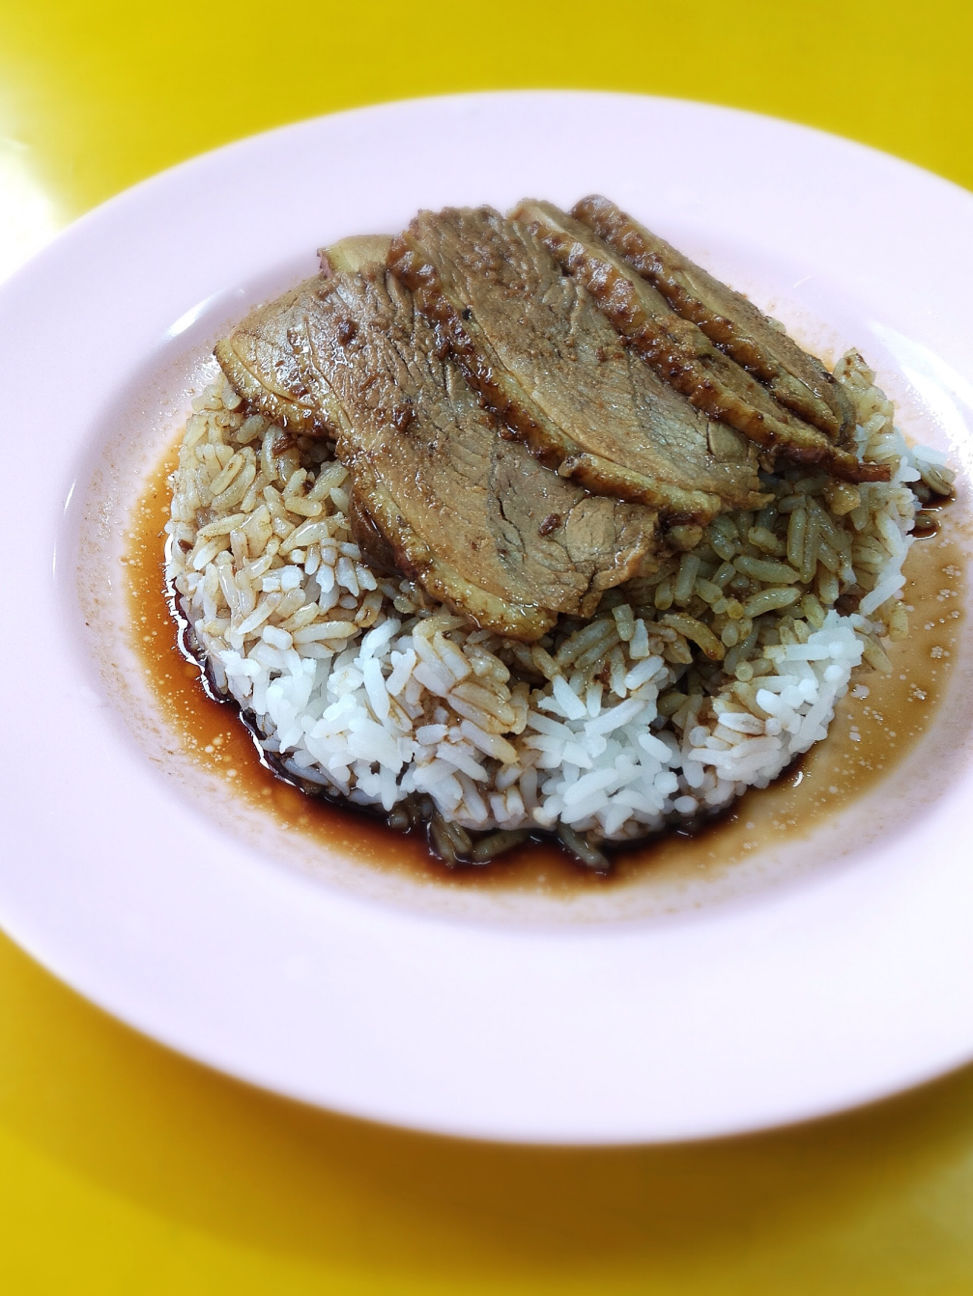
(542, 355)
(471, 516)
(729, 319)
(681, 353)
(261, 358)
(260, 361)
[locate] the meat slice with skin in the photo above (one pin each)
(543, 356)
(261, 358)
(796, 378)
(260, 361)
(438, 492)
(681, 353)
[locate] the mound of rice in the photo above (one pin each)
(684, 691)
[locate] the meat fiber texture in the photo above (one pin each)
(526, 417)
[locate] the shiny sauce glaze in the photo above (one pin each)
(876, 726)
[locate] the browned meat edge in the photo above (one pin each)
(342, 347)
(508, 395)
(796, 378)
(682, 354)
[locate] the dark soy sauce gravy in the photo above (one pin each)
(869, 737)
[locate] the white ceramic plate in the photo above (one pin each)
(188, 918)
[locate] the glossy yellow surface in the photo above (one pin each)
(124, 1168)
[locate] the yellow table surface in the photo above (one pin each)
(124, 1168)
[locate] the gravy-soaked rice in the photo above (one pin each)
(683, 691)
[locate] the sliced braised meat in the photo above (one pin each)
(519, 405)
(261, 362)
(261, 358)
(544, 357)
(680, 352)
(438, 492)
(729, 319)
(479, 521)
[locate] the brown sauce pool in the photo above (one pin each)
(876, 726)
